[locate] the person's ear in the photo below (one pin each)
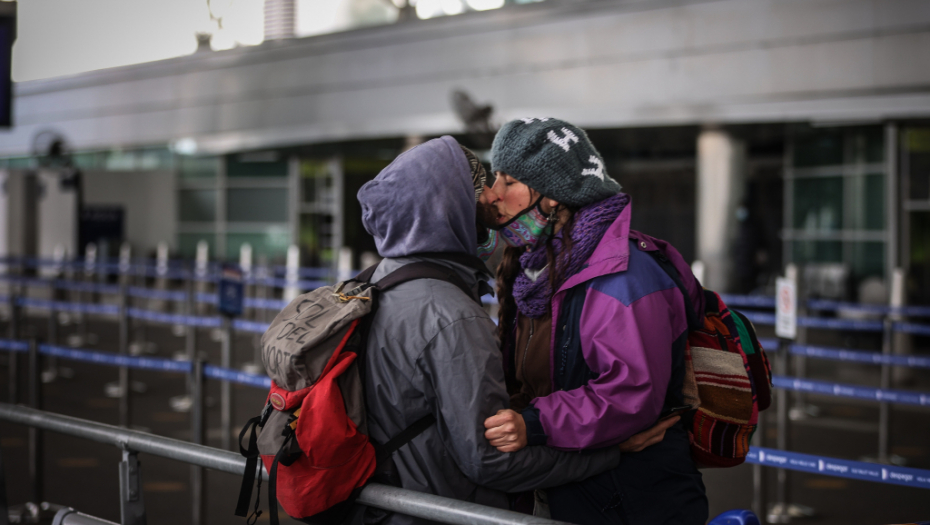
(553, 203)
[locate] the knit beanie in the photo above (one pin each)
(479, 176)
(554, 158)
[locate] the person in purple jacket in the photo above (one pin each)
(593, 329)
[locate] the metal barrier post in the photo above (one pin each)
(131, 506)
(4, 505)
(52, 329)
(226, 386)
(12, 334)
(35, 435)
(884, 408)
(124, 374)
(197, 437)
(759, 485)
(779, 513)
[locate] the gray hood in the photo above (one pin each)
(422, 202)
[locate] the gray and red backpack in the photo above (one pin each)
(312, 433)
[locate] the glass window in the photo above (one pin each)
(197, 167)
(873, 202)
(818, 204)
(258, 164)
(817, 251)
(917, 150)
(868, 259)
(822, 148)
(272, 243)
(257, 205)
(187, 244)
(197, 205)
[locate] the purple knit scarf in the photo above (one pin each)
(533, 297)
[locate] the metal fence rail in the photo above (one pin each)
(417, 504)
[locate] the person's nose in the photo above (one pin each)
(490, 196)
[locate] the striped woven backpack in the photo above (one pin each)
(729, 380)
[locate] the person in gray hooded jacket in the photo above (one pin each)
(433, 350)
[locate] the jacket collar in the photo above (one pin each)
(612, 254)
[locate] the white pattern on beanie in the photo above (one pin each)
(563, 142)
(598, 171)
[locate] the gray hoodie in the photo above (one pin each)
(433, 350)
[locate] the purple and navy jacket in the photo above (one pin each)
(619, 332)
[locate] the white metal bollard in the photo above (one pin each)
(292, 273)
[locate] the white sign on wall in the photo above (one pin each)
(786, 308)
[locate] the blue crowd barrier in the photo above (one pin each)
(911, 328)
(907, 311)
(901, 397)
(859, 356)
(63, 306)
(844, 468)
(265, 304)
(856, 325)
(106, 358)
(760, 318)
(243, 325)
(13, 345)
(161, 295)
(236, 376)
(186, 320)
(83, 286)
(748, 301)
(207, 298)
(768, 344)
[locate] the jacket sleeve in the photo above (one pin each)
(628, 348)
(463, 373)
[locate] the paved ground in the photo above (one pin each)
(84, 474)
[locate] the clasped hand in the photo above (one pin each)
(506, 431)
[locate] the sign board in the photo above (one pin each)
(231, 291)
(786, 308)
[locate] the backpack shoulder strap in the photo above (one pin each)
(424, 270)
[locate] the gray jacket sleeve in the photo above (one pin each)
(463, 367)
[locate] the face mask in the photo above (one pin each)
(526, 229)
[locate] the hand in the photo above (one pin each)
(506, 430)
(648, 437)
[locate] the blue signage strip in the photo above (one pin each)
(236, 376)
(187, 320)
(841, 324)
(858, 356)
(843, 468)
(106, 358)
(902, 397)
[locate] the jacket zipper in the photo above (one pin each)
(527, 348)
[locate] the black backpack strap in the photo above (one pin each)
(405, 436)
(280, 457)
(251, 463)
(425, 270)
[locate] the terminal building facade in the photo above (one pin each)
(750, 134)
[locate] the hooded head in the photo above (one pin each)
(422, 202)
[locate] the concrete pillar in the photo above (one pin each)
(720, 188)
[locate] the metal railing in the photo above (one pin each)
(132, 442)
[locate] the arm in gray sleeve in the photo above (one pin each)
(463, 367)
